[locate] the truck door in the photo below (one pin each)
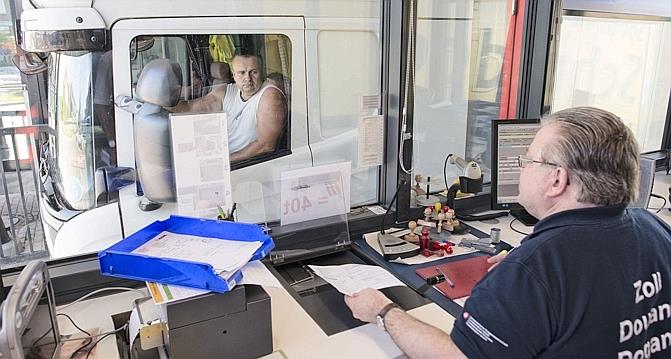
(203, 48)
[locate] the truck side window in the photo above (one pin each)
(245, 75)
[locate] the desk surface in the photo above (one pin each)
(294, 332)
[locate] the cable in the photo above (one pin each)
(102, 290)
(62, 339)
(96, 343)
(34, 345)
(445, 172)
(511, 227)
(103, 337)
(409, 74)
(75, 325)
(88, 336)
(95, 335)
(82, 347)
(400, 184)
(657, 210)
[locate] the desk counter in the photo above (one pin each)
(294, 331)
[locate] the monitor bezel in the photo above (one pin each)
(495, 163)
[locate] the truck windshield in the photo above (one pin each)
(71, 114)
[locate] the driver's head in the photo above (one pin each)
(248, 74)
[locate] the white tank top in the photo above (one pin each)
(241, 116)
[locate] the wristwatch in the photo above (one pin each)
(383, 312)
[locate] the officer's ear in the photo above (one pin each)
(561, 180)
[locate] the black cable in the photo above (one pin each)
(90, 340)
(445, 172)
(81, 348)
(511, 227)
(116, 332)
(400, 184)
(73, 323)
(96, 343)
(32, 347)
(657, 210)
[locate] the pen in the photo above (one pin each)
(447, 279)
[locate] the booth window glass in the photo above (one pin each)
(459, 65)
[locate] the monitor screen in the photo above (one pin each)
(647, 179)
(510, 138)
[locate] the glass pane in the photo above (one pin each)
(460, 51)
(344, 81)
(229, 72)
(619, 65)
(340, 113)
(320, 87)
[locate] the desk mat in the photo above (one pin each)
(463, 273)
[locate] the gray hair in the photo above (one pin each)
(600, 153)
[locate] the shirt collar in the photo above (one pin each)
(579, 216)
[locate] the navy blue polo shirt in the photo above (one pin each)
(587, 283)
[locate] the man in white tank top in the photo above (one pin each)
(256, 110)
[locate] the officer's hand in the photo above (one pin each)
(366, 304)
(497, 259)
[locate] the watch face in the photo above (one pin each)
(380, 322)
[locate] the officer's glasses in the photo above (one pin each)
(524, 162)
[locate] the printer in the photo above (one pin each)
(235, 324)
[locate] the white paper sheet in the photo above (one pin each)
(377, 209)
(351, 278)
(222, 254)
(201, 161)
(256, 272)
(166, 293)
(370, 104)
(370, 148)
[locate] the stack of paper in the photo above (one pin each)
(226, 257)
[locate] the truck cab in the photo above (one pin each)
(96, 52)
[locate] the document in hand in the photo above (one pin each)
(351, 278)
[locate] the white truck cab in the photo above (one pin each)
(325, 54)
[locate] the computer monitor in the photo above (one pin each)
(510, 138)
(647, 180)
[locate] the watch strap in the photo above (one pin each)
(384, 312)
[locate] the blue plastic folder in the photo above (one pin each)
(119, 261)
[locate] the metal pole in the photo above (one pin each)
(23, 196)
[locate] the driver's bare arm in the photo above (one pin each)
(270, 116)
(212, 102)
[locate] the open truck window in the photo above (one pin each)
(247, 76)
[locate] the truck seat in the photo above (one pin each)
(159, 86)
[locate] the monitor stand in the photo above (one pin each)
(523, 216)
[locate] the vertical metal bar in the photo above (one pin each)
(395, 17)
(33, 142)
(23, 197)
(8, 203)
